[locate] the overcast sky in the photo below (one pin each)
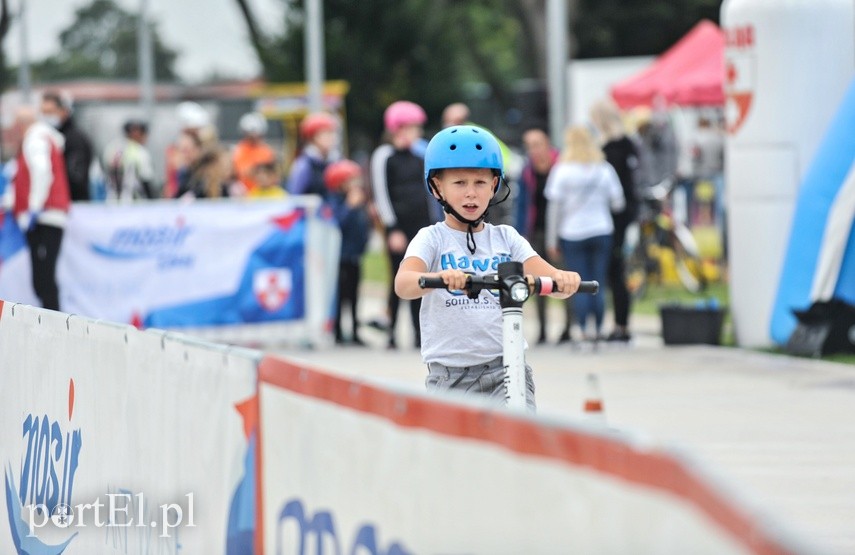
(209, 35)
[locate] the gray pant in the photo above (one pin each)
(482, 379)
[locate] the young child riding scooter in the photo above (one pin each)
(462, 337)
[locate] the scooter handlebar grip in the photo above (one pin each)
(592, 287)
(431, 283)
(546, 285)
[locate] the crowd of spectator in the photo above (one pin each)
(574, 201)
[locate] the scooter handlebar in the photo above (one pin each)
(426, 282)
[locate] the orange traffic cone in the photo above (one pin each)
(593, 407)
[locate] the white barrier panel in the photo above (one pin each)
(247, 272)
(134, 441)
(352, 466)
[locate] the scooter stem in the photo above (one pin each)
(513, 355)
(513, 352)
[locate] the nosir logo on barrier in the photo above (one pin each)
(46, 479)
(40, 500)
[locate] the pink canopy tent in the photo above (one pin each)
(690, 73)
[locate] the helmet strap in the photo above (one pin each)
(470, 224)
(493, 201)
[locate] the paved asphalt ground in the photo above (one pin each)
(779, 429)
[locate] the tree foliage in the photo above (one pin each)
(427, 51)
(605, 28)
(102, 42)
(5, 22)
(419, 50)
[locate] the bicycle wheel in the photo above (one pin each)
(688, 261)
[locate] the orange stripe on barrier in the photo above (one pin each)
(1, 309)
(593, 406)
(656, 470)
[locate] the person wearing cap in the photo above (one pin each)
(57, 112)
(401, 199)
(319, 132)
(251, 150)
(130, 173)
(462, 336)
(348, 201)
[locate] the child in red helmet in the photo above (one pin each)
(347, 198)
(319, 133)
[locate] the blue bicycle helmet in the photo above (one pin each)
(463, 146)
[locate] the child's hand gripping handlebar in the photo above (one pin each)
(514, 289)
(538, 285)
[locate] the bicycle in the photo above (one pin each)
(655, 230)
(514, 289)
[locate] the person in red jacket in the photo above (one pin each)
(42, 200)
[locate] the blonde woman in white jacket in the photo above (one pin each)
(582, 191)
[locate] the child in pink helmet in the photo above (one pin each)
(401, 199)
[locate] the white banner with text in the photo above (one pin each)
(239, 271)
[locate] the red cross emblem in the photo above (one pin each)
(272, 287)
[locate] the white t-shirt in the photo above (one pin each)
(457, 330)
(581, 199)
